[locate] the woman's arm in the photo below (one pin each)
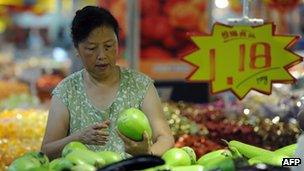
(55, 137)
(162, 136)
(56, 133)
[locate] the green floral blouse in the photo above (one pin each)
(71, 91)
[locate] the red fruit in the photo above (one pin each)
(171, 42)
(171, 3)
(199, 4)
(149, 7)
(155, 53)
(184, 15)
(145, 42)
(155, 27)
(48, 81)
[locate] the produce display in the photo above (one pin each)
(213, 141)
(7, 66)
(45, 85)
(29, 161)
(17, 133)
(41, 62)
(19, 101)
(75, 156)
(200, 144)
(179, 124)
(175, 19)
(215, 124)
(8, 88)
(234, 157)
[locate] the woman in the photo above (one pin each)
(85, 105)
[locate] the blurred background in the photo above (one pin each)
(36, 53)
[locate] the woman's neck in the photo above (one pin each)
(109, 79)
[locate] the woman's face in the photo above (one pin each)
(98, 52)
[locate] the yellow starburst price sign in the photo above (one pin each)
(243, 58)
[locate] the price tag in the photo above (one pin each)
(242, 58)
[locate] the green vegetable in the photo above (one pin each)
(72, 146)
(220, 163)
(176, 157)
(60, 164)
(249, 151)
(275, 160)
(235, 152)
(164, 167)
(287, 150)
(79, 157)
(24, 163)
(83, 167)
(191, 154)
(109, 156)
(188, 168)
(218, 154)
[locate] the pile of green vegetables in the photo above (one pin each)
(237, 155)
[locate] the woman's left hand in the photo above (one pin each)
(136, 147)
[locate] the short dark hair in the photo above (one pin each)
(89, 18)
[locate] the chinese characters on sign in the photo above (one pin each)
(241, 58)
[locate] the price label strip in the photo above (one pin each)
(241, 58)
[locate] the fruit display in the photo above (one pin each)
(256, 155)
(199, 130)
(19, 101)
(21, 131)
(178, 159)
(236, 156)
(28, 161)
(8, 88)
(45, 84)
(200, 144)
(215, 124)
(179, 124)
(41, 62)
(175, 19)
(75, 156)
(7, 67)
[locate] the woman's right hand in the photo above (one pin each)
(96, 134)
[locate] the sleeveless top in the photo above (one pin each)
(71, 91)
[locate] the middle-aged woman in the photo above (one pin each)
(86, 104)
